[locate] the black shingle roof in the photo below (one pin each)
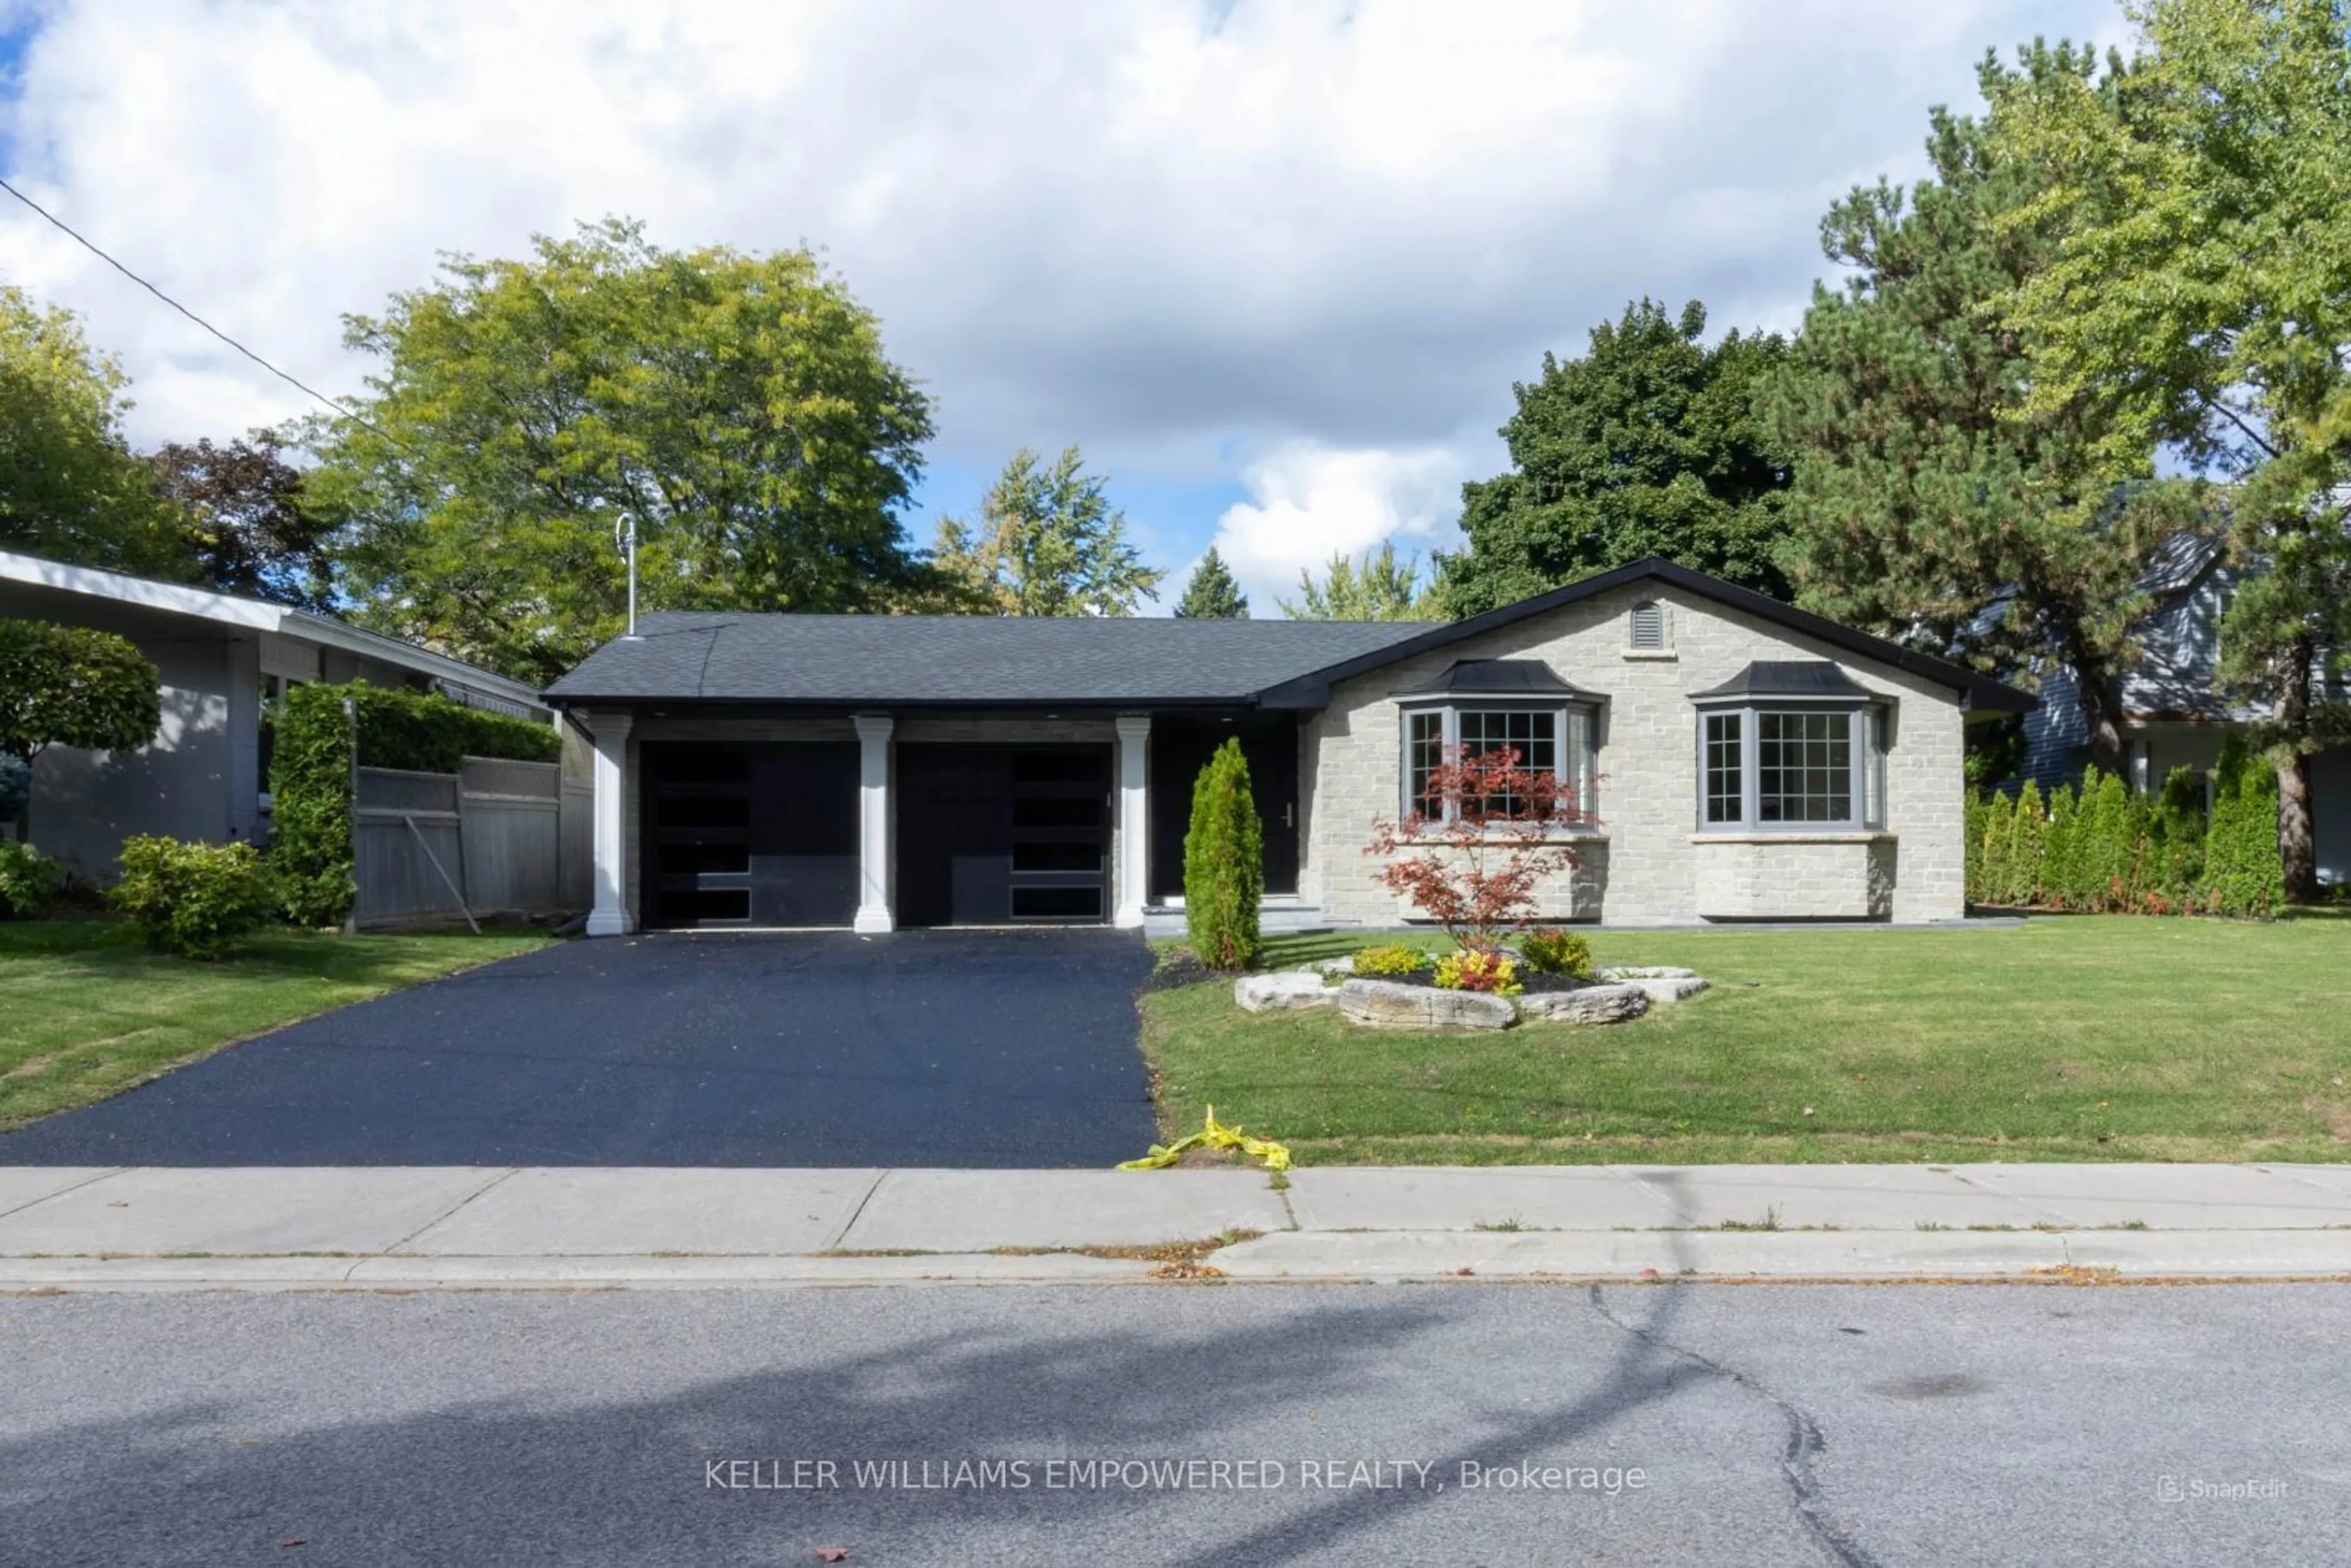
(1788, 678)
(1498, 678)
(910, 659)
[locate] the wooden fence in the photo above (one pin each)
(496, 837)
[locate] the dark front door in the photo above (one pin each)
(750, 835)
(995, 835)
(1179, 749)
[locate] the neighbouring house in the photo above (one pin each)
(2173, 715)
(222, 659)
(1747, 761)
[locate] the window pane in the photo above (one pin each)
(1534, 734)
(1722, 768)
(1805, 767)
(1424, 750)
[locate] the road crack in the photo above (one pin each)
(1805, 1441)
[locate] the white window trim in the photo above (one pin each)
(1573, 764)
(1868, 786)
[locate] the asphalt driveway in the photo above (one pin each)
(922, 1047)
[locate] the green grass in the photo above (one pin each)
(2087, 1037)
(86, 1011)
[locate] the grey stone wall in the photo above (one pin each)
(1644, 867)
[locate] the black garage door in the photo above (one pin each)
(991, 835)
(750, 835)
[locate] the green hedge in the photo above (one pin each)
(2103, 849)
(309, 775)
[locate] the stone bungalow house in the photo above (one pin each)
(1747, 761)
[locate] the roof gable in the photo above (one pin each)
(1976, 692)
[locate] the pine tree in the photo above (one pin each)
(1213, 594)
(1924, 506)
(1224, 863)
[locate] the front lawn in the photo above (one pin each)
(2081, 1037)
(86, 1011)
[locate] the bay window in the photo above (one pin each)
(1553, 740)
(1790, 748)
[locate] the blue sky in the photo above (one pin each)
(1273, 266)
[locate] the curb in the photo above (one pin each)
(1286, 1257)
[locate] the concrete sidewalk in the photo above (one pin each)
(460, 1226)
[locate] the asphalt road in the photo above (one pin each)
(1768, 1425)
(924, 1048)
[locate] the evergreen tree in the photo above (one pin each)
(1647, 445)
(1212, 594)
(1224, 863)
(2030, 843)
(2202, 299)
(1924, 508)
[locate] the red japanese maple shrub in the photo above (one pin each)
(1486, 834)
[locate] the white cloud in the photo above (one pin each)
(1169, 230)
(1310, 502)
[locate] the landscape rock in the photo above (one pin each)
(1593, 1004)
(1289, 990)
(1386, 1004)
(1651, 972)
(1669, 990)
(1345, 965)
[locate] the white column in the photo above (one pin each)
(874, 822)
(1133, 818)
(610, 916)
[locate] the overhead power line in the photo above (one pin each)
(87, 244)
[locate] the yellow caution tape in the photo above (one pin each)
(1215, 1136)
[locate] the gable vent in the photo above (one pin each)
(1648, 625)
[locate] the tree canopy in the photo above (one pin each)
(70, 488)
(1048, 542)
(243, 508)
(1212, 594)
(740, 406)
(1377, 586)
(1647, 445)
(1927, 505)
(2200, 299)
(70, 685)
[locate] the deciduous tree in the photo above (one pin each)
(1048, 542)
(1647, 445)
(740, 406)
(243, 511)
(2200, 299)
(70, 685)
(1474, 850)
(1377, 586)
(70, 488)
